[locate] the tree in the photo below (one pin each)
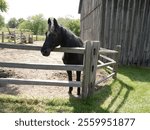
(74, 26)
(26, 24)
(12, 23)
(37, 24)
(2, 22)
(20, 20)
(3, 6)
(71, 24)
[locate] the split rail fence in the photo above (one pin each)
(92, 52)
(16, 37)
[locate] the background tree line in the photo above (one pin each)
(37, 24)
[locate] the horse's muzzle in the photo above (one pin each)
(45, 52)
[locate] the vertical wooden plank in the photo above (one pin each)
(137, 31)
(116, 24)
(127, 30)
(116, 58)
(141, 45)
(132, 30)
(86, 70)
(102, 22)
(93, 66)
(111, 24)
(106, 25)
(122, 29)
(2, 37)
(14, 37)
(20, 37)
(147, 37)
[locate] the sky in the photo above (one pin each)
(49, 8)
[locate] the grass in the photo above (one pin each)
(130, 92)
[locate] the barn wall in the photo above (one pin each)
(124, 22)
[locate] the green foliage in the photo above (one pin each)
(3, 6)
(20, 20)
(130, 92)
(25, 25)
(12, 23)
(71, 24)
(74, 26)
(2, 22)
(37, 24)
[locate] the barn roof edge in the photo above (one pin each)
(80, 6)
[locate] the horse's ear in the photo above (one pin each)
(55, 23)
(49, 21)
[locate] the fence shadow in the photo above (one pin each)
(94, 103)
(123, 86)
(91, 104)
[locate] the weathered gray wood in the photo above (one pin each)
(93, 66)
(107, 52)
(86, 71)
(104, 79)
(107, 58)
(14, 37)
(106, 64)
(42, 66)
(38, 48)
(2, 37)
(102, 63)
(116, 58)
(39, 82)
(123, 22)
(20, 37)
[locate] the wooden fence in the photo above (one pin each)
(91, 53)
(15, 37)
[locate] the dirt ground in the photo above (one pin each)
(31, 91)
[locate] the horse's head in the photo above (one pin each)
(53, 37)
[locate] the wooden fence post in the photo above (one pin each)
(2, 37)
(86, 70)
(20, 37)
(36, 37)
(116, 58)
(93, 66)
(14, 37)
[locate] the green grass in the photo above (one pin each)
(130, 92)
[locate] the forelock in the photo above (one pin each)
(51, 27)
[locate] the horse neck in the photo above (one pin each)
(67, 38)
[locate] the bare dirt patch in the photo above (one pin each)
(21, 56)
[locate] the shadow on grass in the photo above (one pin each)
(136, 73)
(91, 104)
(123, 86)
(94, 104)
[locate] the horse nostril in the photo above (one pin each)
(45, 51)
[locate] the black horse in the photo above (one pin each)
(58, 35)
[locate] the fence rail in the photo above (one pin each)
(40, 82)
(42, 66)
(78, 50)
(91, 63)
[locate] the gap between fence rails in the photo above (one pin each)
(91, 51)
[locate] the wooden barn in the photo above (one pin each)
(124, 22)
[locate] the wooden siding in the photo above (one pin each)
(123, 22)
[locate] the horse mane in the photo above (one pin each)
(70, 39)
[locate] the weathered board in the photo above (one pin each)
(119, 22)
